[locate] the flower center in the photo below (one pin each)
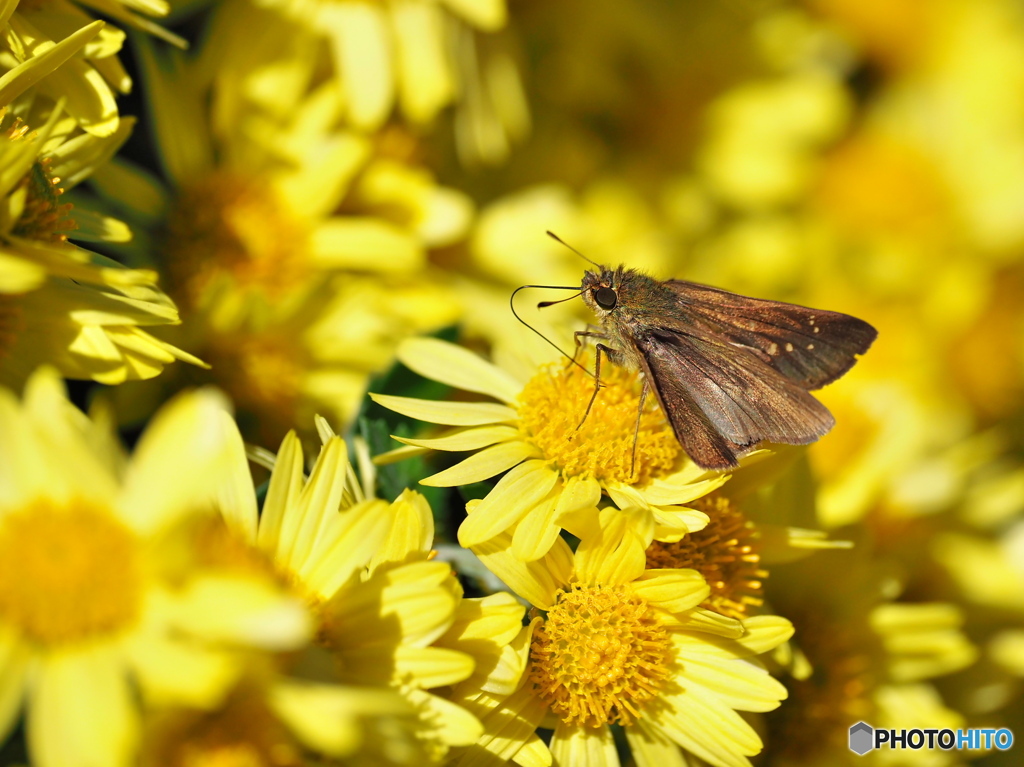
(243, 733)
(44, 218)
(552, 405)
(12, 322)
(599, 656)
(69, 574)
(841, 689)
(230, 227)
(263, 372)
(725, 553)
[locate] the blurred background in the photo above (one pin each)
(315, 180)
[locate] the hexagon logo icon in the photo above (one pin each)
(862, 738)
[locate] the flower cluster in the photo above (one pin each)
(284, 479)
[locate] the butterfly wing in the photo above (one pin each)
(810, 347)
(722, 399)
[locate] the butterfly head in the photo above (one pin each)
(600, 290)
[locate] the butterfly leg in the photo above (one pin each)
(611, 354)
(636, 431)
(585, 334)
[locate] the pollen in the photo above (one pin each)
(228, 226)
(553, 403)
(44, 218)
(725, 553)
(70, 574)
(599, 656)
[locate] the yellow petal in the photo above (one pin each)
(365, 244)
(515, 495)
(537, 581)
(614, 556)
(537, 530)
(241, 610)
(426, 82)
(345, 545)
(458, 367)
(707, 728)
(507, 726)
(662, 493)
(282, 493)
(235, 497)
(432, 666)
(673, 590)
(487, 463)
(80, 710)
(737, 683)
(177, 461)
(361, 46)
(175, 673)
(592, 746)
(703, 621)
(466, 439)
(328, 718)
(14, 663)
(488, 15)
(45, 59)
(533, 754)
(410, 534)
(447, 413)
(652, 749)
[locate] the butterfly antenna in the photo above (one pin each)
(511, 305)
(559, 240)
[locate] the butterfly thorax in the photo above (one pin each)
(628, 304)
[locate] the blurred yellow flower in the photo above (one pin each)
(296, 249)
(557, 469)
(91, 597)
(619, 644)
(858, 655)
(390, 617)
(270, 719)
(409, 52)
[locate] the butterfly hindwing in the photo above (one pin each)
(722, 399)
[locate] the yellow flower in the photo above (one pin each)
(61, 304)
(86, 83)
(556, 471)
(389, 615)
(93, 607)
(619, 644)
(409, 52)
(858, 656)
(296, 249)
(270, 719)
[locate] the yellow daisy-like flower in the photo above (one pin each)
(61, 304)
(296, 247)
(270, 719)
(92, 73)
(859, 656)
(620, 644)
(389, 615)
(556, 472)
(409, 52)
(93, 605)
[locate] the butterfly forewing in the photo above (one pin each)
(811, 347)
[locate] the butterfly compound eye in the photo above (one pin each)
(605, 298)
